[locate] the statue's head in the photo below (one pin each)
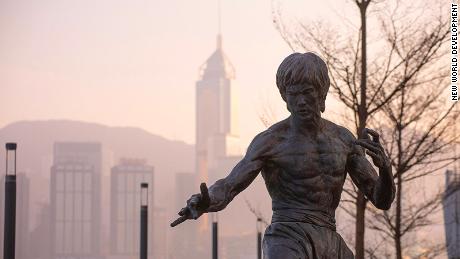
(299, 70)
(303, 82)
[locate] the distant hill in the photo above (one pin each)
(35, 143)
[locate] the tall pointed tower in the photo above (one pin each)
(216, 119)
(216, 116)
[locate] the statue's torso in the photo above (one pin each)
(306, 172)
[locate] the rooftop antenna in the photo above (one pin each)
(219, 36)
(219, 16)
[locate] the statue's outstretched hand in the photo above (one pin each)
(196, 206)
(374, 149)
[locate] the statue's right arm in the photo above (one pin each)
(224, 190)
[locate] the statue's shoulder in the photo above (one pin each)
(270, 137)
(338, 131)
(279, 129)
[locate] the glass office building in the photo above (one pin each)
(126, 178)
(75, 201)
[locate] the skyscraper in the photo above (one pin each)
(217, 141)
(216, 116)
(126, 179)
(75, 200)
(451, 207)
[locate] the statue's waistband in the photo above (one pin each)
(314, 217)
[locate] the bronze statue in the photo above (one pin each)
(304, 161)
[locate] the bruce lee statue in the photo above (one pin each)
(304, 161)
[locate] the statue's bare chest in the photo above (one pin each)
(308, 157)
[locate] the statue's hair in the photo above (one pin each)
(300, 68)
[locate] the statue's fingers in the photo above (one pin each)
(204, 193)
(373, 143)
(204, 190)
(179, 220)
(372, 154)
(375, 139)
(370, 142)
(194, 213)
(183, 211)
(367, 145)
(364, 134)
(375, 135)
(193, 201)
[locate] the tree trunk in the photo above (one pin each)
(360, 202)
(399, 127)
(360, 213)
(398, 220)
(362, 116)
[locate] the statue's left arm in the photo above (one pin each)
(221, 193)
(224, 190)
(379, 189)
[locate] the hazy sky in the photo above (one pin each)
(135, 63)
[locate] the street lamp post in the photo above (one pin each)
(214, 236)
(144, 222)
(259, 238)
(10, 202)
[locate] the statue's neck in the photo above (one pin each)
(307, 128)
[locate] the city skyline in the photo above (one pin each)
(117, 60)
(190, 190)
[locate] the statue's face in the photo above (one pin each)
(303, 102)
